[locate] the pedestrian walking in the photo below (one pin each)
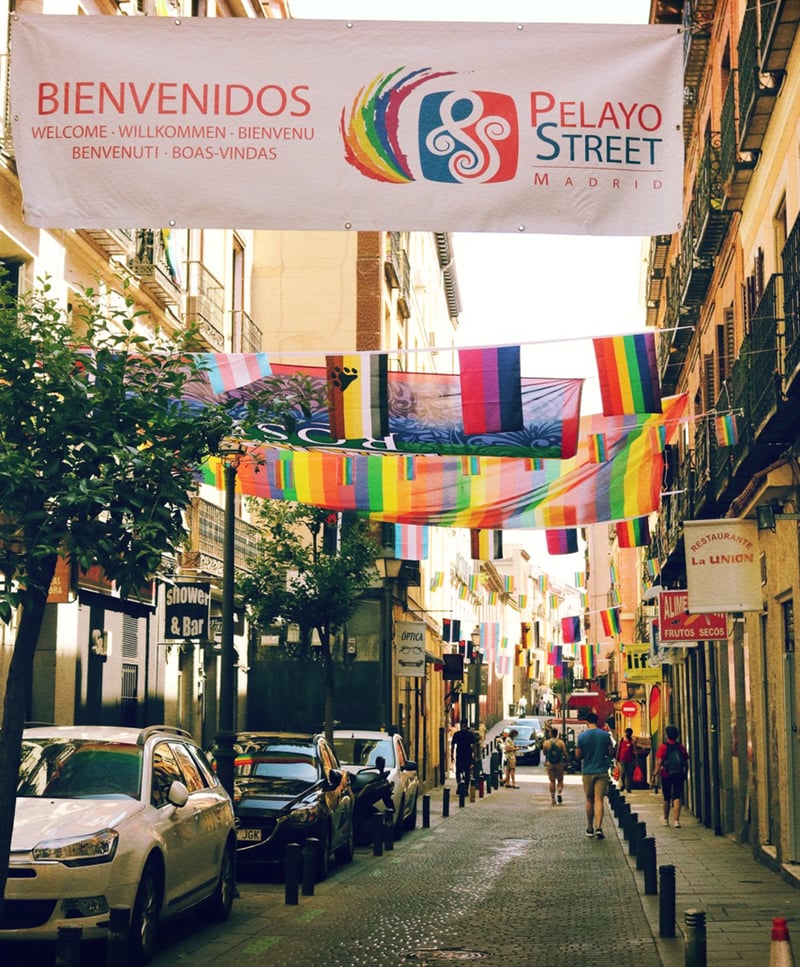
(555, 758)
(462, 750)
(510, 753)
(626, 760)
(672, 762)
(595, 752)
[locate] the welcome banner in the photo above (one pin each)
(298, 124)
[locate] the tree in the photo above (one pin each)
(310, 572)
(98, 458)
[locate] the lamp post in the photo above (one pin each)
(231, 455)
(389, 570)
(474, 680)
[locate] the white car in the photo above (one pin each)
(116, 817)
(358, 749)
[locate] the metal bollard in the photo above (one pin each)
(310, 859)
(695, 944)
(445, 802)
(388, 830)
(293, 862)
(377, 835)
(624, 811)
(480, 787)
(119, 924)
(631, 819)
(649, 865)
(462, 796)
(666, 906)
(639, 833)
(487, 781)
(472, 791)
(426, 812)
(68, 947)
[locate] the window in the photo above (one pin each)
(165, 772)
(787, 614)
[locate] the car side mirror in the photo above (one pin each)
(410, 766)
(178, 794)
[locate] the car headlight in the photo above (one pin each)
(304, 814)
(100, 847)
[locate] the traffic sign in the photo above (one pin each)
(629, 709)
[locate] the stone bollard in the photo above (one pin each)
(639, 833)
(377, 834)
(119, 924)
(426, 812)
(293, 862)
(68, 947)
(649, 865)
(666, 906)
(445, 802)
(695, 944)
(310, 854)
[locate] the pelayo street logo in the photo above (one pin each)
(462, 136)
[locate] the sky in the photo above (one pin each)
(529, 289)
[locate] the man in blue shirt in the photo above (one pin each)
(594, 751)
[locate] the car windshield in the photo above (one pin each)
(355, 751)
(277, 768)
(79, 769)
(523, 735)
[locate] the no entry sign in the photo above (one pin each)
(629, 709)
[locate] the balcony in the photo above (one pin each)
(679, 325)
(203, 552)
(791, 310)
(757, 87)
(710, 221)
(736, 166)
(779, 21)
(205, 305)
(695, 269)
(656, 274)
(769, 411)
(247, 336)
(113, 242)
(156, 267)
(698, 16)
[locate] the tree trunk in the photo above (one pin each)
(15, 707)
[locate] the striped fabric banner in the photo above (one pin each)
(580, 579)
(611, 622)
(522, 602)
(491, 391)
(473, 582)
(727, 430)
(571, 629)
(508, 583)
(229, 371)
(411, 542)
(628, 373)
(486, 545)
(633, 533)
(587, 654)
(562, 541)
(437, 580)
(358, 403)
(598, 449)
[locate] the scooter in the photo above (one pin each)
(373, 796)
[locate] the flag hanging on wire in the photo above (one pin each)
(491, 391)
(633, 533)
(358, 402)
(628, 373)
(611, 622)
(571, 629)
(726, 429)
(411, 542)
(562, 541)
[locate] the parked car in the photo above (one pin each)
(527, 744)
(116, 817)
(288, 788)
(537, 725)
(358, 749)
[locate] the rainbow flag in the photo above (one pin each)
(633, 533)
(580, 579)
(522, 602)
(562, 541)
(358, 401)
(491, 390)
(565, 494)
(628, 373)
(411, 542)
(587, 660)
(474, 582)
(508, 583)
(598, 450)
(437, 580)
(611, 622)
(727, 430)
(571, 629)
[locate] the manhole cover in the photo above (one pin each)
(433, 953)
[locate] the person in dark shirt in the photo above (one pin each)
(462, 749)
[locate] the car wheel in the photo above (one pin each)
(324, 858)
(221, 900)
(411, 818)
(344, 854)
(146, 910)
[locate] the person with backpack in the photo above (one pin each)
(672, 761)
(555, 759)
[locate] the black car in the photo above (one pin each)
(288, 788)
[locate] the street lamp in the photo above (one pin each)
(389, 570)
(231, 453)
